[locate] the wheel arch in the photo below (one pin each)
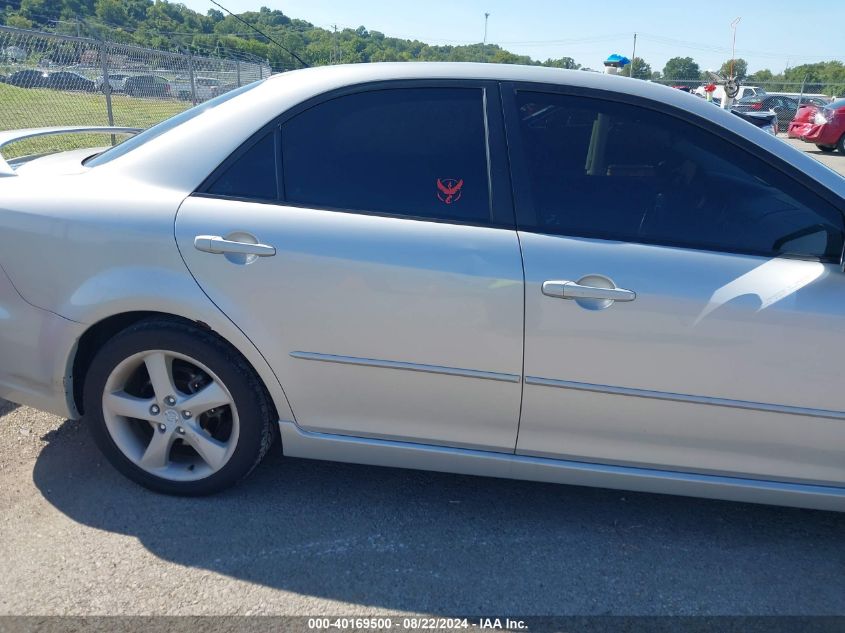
(101, 331)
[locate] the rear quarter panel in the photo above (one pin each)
(98, 246)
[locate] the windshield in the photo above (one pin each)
(165, 126)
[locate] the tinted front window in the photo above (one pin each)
(417, 152)
(611, 170)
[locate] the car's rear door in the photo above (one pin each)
(390, 297)
(685, 308)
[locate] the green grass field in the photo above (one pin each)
(24, 107)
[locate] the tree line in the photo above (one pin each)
(820, 77)
(165, 25)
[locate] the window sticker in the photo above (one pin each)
(449, 189)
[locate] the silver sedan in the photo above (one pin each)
(497, 270)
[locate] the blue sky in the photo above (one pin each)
(772, 33)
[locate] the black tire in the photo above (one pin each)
(251, 400)
(841, 144)
(826, 148)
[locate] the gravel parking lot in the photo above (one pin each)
(307, 538)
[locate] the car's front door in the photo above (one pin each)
(685, 308)
(389, 299)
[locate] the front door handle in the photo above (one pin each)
(575, 290)
(218, 245)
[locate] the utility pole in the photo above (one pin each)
(731, 84)
(335, 51)
(104, 65)
(733, 45)
(633, 57)
(484, 42)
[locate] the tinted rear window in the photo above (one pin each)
(414, 152)
(252, 175)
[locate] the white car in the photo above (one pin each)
(485, 269)
(204, 88)
(116, 82)
(744, 92)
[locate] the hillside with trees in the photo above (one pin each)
(165, 25)
(171, 26)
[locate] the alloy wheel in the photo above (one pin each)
(170, 415)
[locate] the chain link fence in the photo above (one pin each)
(808, 88)
(49, 79)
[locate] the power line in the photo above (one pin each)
(711, 48)
(284, 48)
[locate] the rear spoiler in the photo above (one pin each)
(12, 136)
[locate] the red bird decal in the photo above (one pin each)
(451, 189)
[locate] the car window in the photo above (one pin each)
(251, 175)
(616, 171)
(414, 152)
(166, 125)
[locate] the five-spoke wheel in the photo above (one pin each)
(176, 408)
(170, 415)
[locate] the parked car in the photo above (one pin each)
(784, 107)
(65, 80)
(766, 120)
(28, 79)
(819, 102)
(803, 120)
(827, 131)
(147, 86)
(744, 92)
(116, 83)
(204, 88)
(489, 269)
(218, 90)
(805, 97)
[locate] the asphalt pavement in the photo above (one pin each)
(304, 537)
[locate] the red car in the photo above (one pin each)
(825, 127)
(802, 121)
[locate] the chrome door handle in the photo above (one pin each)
(574, 290)
(218, 245)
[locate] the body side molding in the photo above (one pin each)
(392, 364)
(305, 444)
(681, 397)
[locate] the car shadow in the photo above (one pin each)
(6, 407)
(448, 544)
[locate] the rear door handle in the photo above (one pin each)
(574, 290)
(218, 245)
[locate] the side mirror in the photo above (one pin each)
(812, 239)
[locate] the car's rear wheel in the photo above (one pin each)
(841, 144)
(826, 148)
(176, 409)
